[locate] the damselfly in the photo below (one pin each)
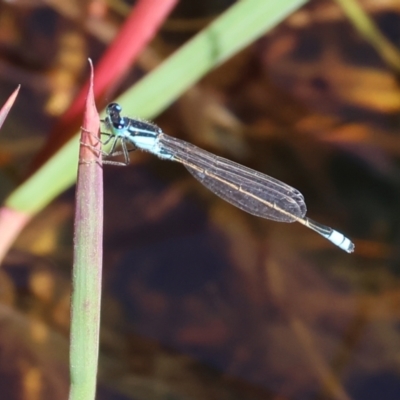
(249, 190)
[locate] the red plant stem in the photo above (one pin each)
(139, 28)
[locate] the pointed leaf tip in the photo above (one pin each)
(7, 105)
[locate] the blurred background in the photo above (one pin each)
(201, 300)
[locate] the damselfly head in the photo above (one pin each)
(113, 108)
(114, 119)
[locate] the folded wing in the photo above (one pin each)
(249, 190)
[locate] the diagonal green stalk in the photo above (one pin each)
(237, 27)
(369, 30)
